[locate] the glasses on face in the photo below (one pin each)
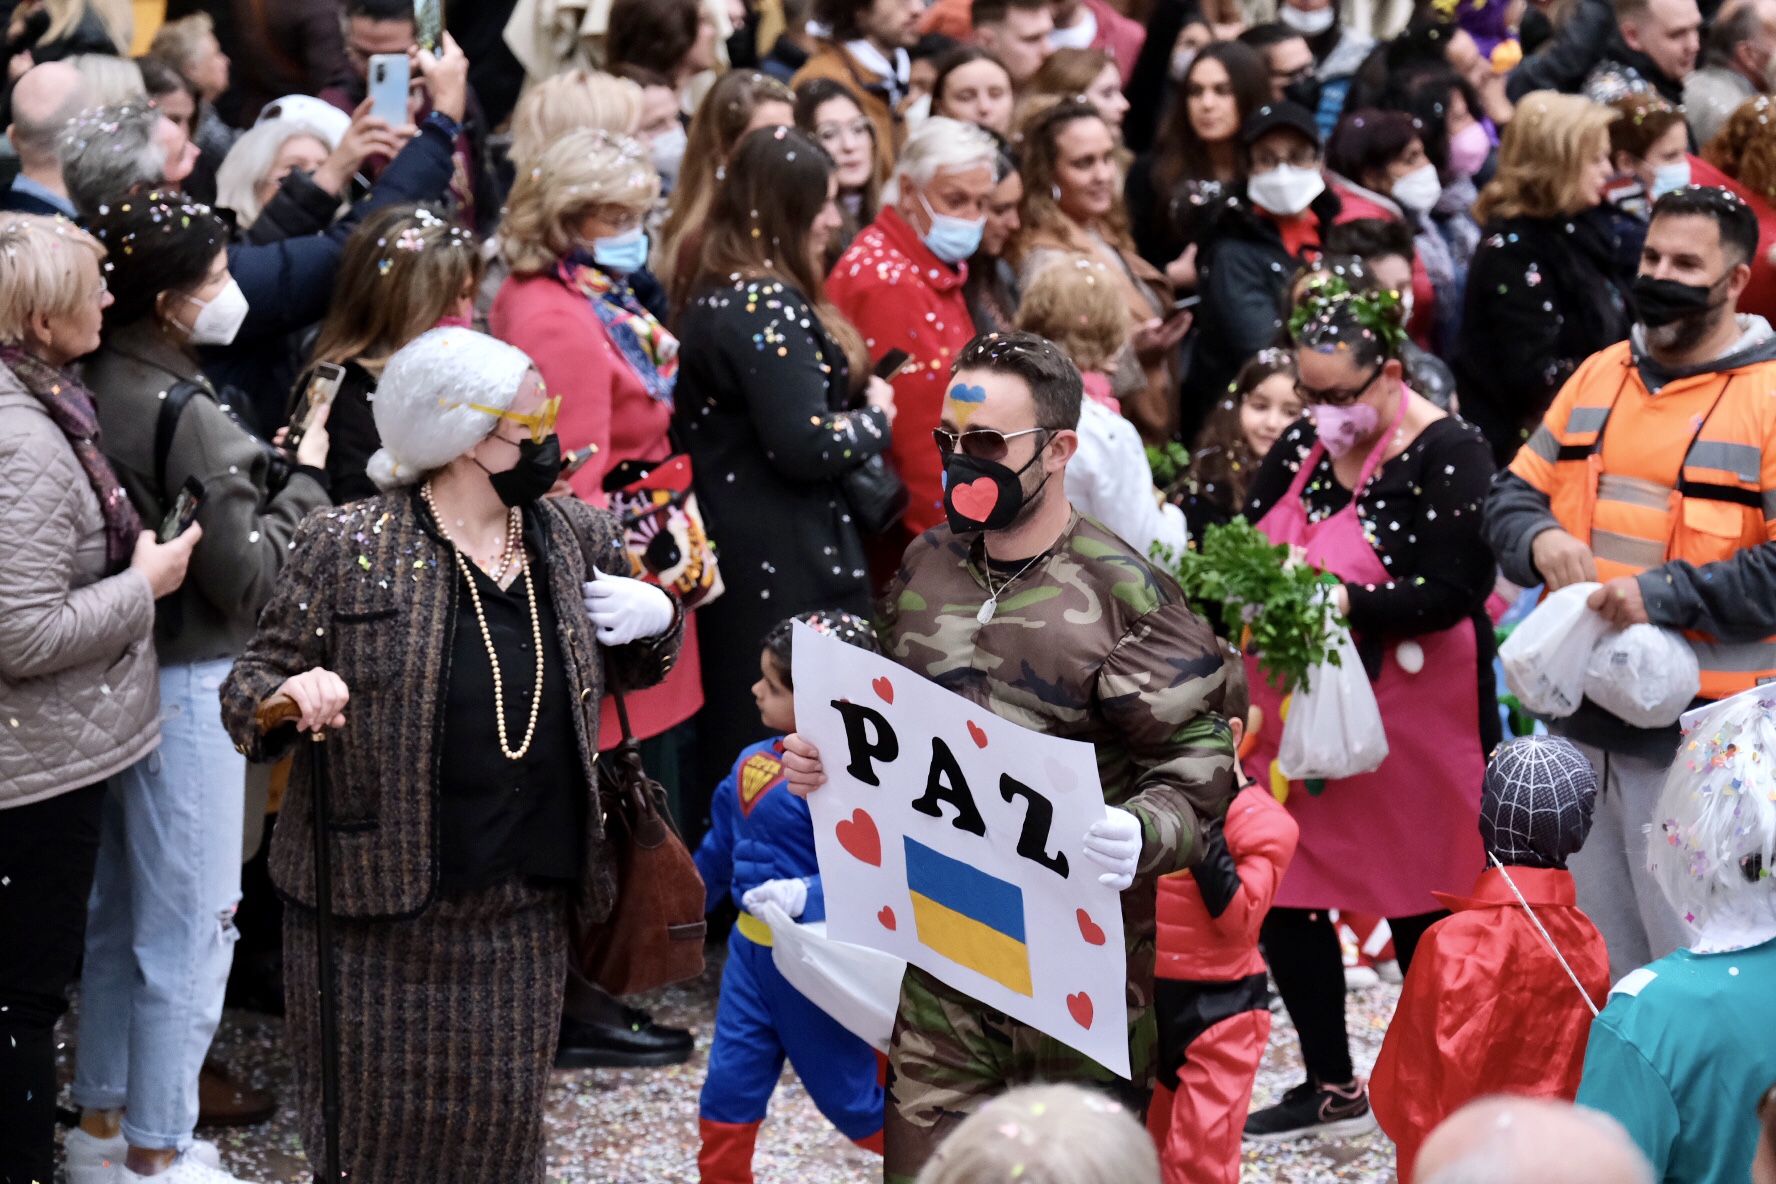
(1304, 157)
(831, 134)
(980, 443)
(1337, 396)
(541, 422)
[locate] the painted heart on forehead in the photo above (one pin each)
(965, 400)
(976, 499)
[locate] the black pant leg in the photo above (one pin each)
(1302, 948)
(47, 851)
(1408, 930)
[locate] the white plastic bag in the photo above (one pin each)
(1643, 674)
(857, 986)
(1545, 657)
(1334, 726)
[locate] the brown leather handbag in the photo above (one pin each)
(654, 934)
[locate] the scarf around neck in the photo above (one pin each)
(70, 407)
(645, 344)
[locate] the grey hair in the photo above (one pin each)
(251, 158)
(110, 79)
(941, 145)
(1506, 1154)
(107, 151)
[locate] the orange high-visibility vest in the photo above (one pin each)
(1688, 474)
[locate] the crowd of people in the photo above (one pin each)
(491, 420)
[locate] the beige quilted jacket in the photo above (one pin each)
(79, 688)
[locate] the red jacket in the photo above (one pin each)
(1261, 837)
(1487, 1008)
(901, 296)
(1759, 297)
(1117, 36)
(603, 403)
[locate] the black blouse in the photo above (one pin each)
(501, 817)
(1422, 514)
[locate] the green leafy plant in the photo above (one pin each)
(1170, 463)
(1275, 608)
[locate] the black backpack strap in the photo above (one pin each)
(171, 408)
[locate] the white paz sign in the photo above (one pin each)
(955, 840)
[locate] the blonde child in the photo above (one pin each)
(1046, 1134)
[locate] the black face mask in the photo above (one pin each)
(534, 475)
(1304, 92)
(1664, 302)
(991, 494)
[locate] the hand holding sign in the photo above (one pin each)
(979, 851)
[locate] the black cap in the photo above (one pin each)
(1279, 115)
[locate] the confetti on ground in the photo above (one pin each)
(639, 1126)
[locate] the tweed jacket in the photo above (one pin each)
(370, 593)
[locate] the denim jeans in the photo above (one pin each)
(160, 930)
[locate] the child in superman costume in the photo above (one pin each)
(760, 847)
(1489, 1006)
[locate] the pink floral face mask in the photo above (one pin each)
(1343, 428)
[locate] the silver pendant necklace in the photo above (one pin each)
(991, 605)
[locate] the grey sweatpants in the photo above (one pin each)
(1615, 888)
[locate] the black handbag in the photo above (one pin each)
(876, 494)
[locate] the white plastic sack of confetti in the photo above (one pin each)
(1545, 657)
(1643, 674)
(857, 986)
(1334, 726)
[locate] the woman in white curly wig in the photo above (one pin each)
(447, 636)
(1686, 1048)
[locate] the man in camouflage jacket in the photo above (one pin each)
(1054, 623)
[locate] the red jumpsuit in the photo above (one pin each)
(1487, 1009)
(1212, 1000)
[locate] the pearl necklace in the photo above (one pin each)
(514, 553)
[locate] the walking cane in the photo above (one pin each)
(274, 712)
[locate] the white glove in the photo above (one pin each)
(623, 610)
(1114, 842)
(789, 895)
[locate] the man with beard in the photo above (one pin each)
(1047, 619)
(1654, 472)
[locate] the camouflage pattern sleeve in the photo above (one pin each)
(1161, 691)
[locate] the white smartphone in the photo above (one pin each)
(388, 88)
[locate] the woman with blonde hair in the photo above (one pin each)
(1087, 74)
(740, 101)
(1073, 206)
(405, 270)
(1547, 288)
(76, 643)
(54, 29)
(573, 237)
(1744, 153)
(577, 98)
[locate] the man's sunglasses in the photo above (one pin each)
(541, 422)
(980, 443)
(1337, 396)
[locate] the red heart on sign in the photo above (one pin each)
(976, 499)
(884, 688)
(979, 737)
(886, 917)
(858, 835)
(1080, 1008)
(1089, 929)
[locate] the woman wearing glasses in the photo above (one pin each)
(573, 237)
(779, 405)
(447, 639)
(827, 112)
(1384, 491)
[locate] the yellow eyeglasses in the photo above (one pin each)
(540, 422)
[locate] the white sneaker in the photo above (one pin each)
(1389, 972)
(1360, 978)
(92, 1160)
(190, 1168)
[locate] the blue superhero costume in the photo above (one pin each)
(760, 831)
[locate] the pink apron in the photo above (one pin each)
(1384, 841)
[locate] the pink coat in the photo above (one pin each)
(603, 403)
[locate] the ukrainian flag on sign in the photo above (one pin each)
(969, 917)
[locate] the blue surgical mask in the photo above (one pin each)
(1668, 178)
(950, 238)
(622, 253)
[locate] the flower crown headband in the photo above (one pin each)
(1379, 313)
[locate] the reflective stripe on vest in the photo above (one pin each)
(1711, 508)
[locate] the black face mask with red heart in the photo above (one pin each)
(984, 494)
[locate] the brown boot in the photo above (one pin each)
(223, 1101)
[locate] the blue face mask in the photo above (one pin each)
(950, 238)
(622, 253)
(1668, 178)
